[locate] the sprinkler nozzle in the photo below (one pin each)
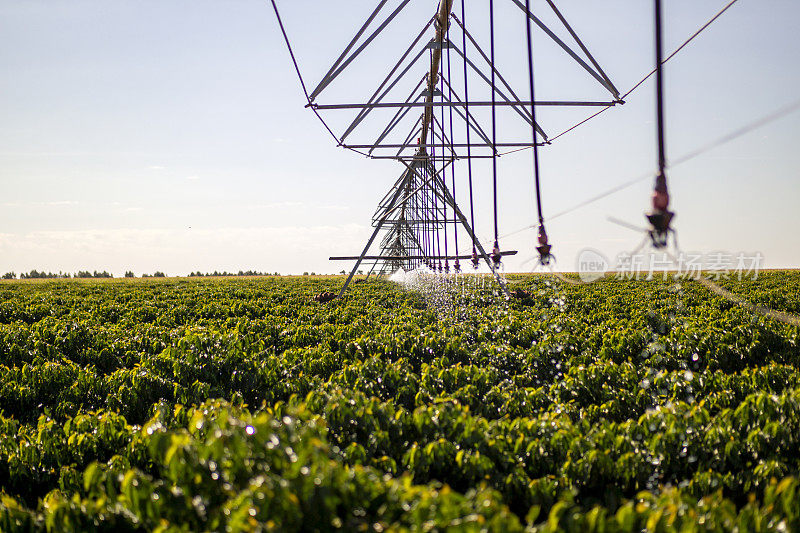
(496, 255)
(660, 217)
(544, 247)
(542, 236)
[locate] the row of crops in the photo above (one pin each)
(243, 404)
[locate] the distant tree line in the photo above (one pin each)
(81, 274)
(35, 274)
(95, 274)
(230, 274)
(85, 274)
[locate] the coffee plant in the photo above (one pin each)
(247, 405)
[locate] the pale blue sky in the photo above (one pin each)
(171, 135)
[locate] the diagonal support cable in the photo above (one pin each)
(332, 76)
(377, 96)
(589, 55)
(566, 48)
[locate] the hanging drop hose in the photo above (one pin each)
(427, 214)
(469, 143)
(544, 247)
(436, 226)
(456, 264)
(425, 229)
(425, 233)
(496, 257)
(444, 176)
(660, 217)
(435, 203)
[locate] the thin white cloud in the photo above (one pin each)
(334, 207)
(278, 205)
(192, 178)
(284, 249)
(54, 203)
(305, 205)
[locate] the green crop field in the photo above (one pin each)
(244, 405)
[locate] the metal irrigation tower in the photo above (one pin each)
(419, 216)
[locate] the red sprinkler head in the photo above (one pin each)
(660, 200)
(457, 266)
(446, 266)
(474, 260)
(660, 193)
(542, 236)
(661, 217)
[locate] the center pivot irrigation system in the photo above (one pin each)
(421, 221)
(419, 217)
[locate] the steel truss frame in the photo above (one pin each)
(419, 205)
